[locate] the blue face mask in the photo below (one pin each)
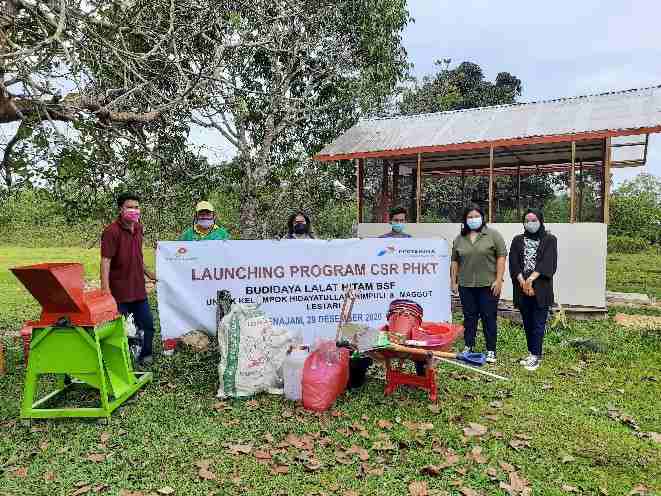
(397, 227)
(474, 223)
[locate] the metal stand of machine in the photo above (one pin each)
(79, 340)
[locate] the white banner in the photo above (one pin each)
(300, 283)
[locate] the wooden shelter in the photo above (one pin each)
(594, 132)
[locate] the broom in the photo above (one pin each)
(370, 339)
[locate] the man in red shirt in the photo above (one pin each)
(123, 269)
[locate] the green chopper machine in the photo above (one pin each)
(80, 339)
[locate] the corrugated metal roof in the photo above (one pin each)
(616, 113)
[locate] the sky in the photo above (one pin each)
(558, 49)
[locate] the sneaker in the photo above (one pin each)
(525, 359)
(532, 363)
(491, 357)
(467, 349)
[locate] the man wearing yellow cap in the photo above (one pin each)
(204, 226)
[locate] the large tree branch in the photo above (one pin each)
(14, 109)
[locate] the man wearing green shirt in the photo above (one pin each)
(204, 226)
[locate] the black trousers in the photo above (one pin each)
(534, 322)
(143, 320)
(479, 303)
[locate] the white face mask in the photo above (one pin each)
(532, 226)
(474, 223)
(205, 223)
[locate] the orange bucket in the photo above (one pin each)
(401, 325)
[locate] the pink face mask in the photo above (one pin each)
(131, 214)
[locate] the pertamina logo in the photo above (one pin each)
(388, 250)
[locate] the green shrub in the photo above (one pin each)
(626, 244)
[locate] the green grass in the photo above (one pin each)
(156, 440)
(635, 273)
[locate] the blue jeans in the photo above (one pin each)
(534, 323)
(143, 320)
(479, 303)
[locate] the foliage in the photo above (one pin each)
(463, 87)
(635, 209)
(626, 244)
(299, 81)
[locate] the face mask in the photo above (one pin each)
(474, 223)
(131, 214)
(205, 223)
(397, 227)
(300, 228)
(532, 227)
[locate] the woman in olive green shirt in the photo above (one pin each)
(478, 266)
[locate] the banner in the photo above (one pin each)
(300, 284)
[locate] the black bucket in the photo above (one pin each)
(358, 371)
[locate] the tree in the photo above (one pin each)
(636, 209)
(460, 88)
(323, 64)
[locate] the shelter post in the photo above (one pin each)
(572, 185)
(395, 184)
(606, 183)
(490, 184)
(360, 181)
(385, 192)
(418, 192)
(518, 192)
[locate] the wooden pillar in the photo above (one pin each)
(518, 192)
(580, 193)
(572, 185)
(463, 190)
(385, 192)
(395, 184)
(418, 191)
(360, 182)
(606, 186)
(491, 213)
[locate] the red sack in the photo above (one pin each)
(325, 377)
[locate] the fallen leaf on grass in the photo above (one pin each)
(239, 449)
(20, 472)
(204, 471)
(654, 436)
(342, 457)
(49, 476)
(476, 455)
(351, 493)
(166, 490)
(492, 473)
(252, 404)
(525, 437)
(219, 406)
(493, 418)
(87, 488)
(312, 465)
(467, 491)
(97, 457)
(262, 455)
(518, 444)
(384, 445)
(569, 489)
(418, 488)
(372, 471)
(43, 446)
(506, 467)
(100, 488)
(268, 437)
(475, 430)
(362, 453)
(568, 459)
(434, 408)
(517, 485)
(496, 404)
(287, 414)
(547, 387)
(384, 424)
(280, 469)
(105, 437)
(640, 490)
(126, 492)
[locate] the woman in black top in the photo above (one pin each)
(533, 260)
(299, 226)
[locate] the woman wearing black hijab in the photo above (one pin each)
(299, 226)
(533, 260)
